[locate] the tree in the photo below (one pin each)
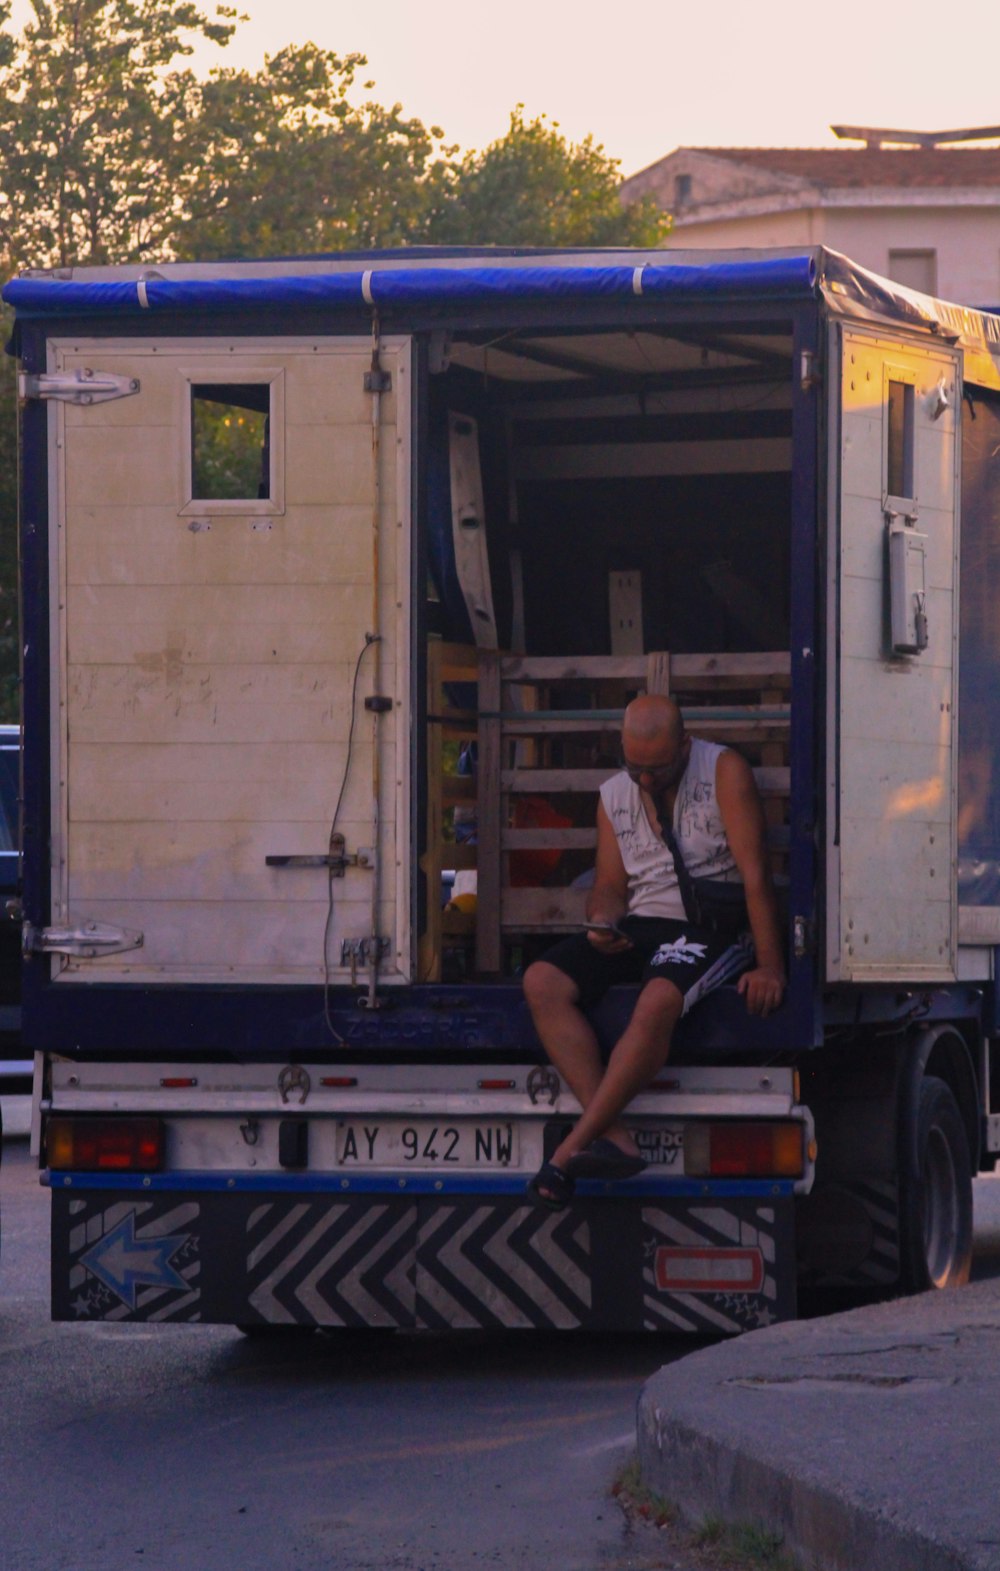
(287, 164)
(532, 187)
(93, 125)
(92, 146)
(111, 152)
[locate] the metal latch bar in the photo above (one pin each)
(336, 859)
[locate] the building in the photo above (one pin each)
(911, 205)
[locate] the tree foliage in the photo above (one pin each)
(288, 164)
(94, 122)
(113, 150)
(533, 188)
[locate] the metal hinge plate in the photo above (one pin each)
(85, 942)
(77, 387)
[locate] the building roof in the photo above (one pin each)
(869, 166)
(757, 170)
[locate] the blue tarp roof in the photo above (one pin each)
(394, 281)
(401, 285)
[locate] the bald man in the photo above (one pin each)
(641, 932)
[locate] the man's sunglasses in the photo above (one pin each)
(659, 774)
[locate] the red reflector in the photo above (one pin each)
(709, 1270)
(744, 1149)
(338, 1080)
(740, 1149)
(175, 1082)
(102, 1145)
(496, 1085)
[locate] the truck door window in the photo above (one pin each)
(899, 420)
(230, 441)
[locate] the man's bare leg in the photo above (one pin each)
(563, 1029)
(572, 1046)
(637, 1058)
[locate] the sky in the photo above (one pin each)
(647, 76)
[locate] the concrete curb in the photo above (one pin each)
(865, 1440)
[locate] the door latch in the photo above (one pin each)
(336, 859)
(357, 952)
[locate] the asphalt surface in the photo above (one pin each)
(865, 1439)
(177, 1447)
(868, 1439)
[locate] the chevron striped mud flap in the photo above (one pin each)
(421, 1261)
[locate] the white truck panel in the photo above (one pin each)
(206, 657)
(891, 910)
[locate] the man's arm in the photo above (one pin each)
(608, 899)
(743, 820)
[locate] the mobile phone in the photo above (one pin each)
(602, 927)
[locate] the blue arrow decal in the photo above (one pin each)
(125, 1263)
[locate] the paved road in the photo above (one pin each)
(182, 1447)
(186, 1446)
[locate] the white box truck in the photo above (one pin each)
(337, 575)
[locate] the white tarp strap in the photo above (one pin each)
(366, 287)
(637, 280)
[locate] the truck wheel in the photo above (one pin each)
(936, 1193)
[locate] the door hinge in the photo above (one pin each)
(86, 942)
(76, 387)
(336, 859)
(809, 372)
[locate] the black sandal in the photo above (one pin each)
(552, 1187)
(603, 1159)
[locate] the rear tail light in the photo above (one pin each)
(737, 1149)
(105, 1145)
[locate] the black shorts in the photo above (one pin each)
(694, 958)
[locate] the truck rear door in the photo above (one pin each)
(229, 582)
(892, 627)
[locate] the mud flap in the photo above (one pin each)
(426, 1262)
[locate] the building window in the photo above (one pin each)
(682, 190)
(915, 269)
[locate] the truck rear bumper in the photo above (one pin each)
(716, 1263)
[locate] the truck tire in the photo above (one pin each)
(936, 1193)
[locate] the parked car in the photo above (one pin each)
(15, 1069)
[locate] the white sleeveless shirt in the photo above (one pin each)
(697, 825)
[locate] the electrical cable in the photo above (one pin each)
(370, 640)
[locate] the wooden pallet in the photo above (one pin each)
(531, 744)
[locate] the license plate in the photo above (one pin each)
(425, 1143)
